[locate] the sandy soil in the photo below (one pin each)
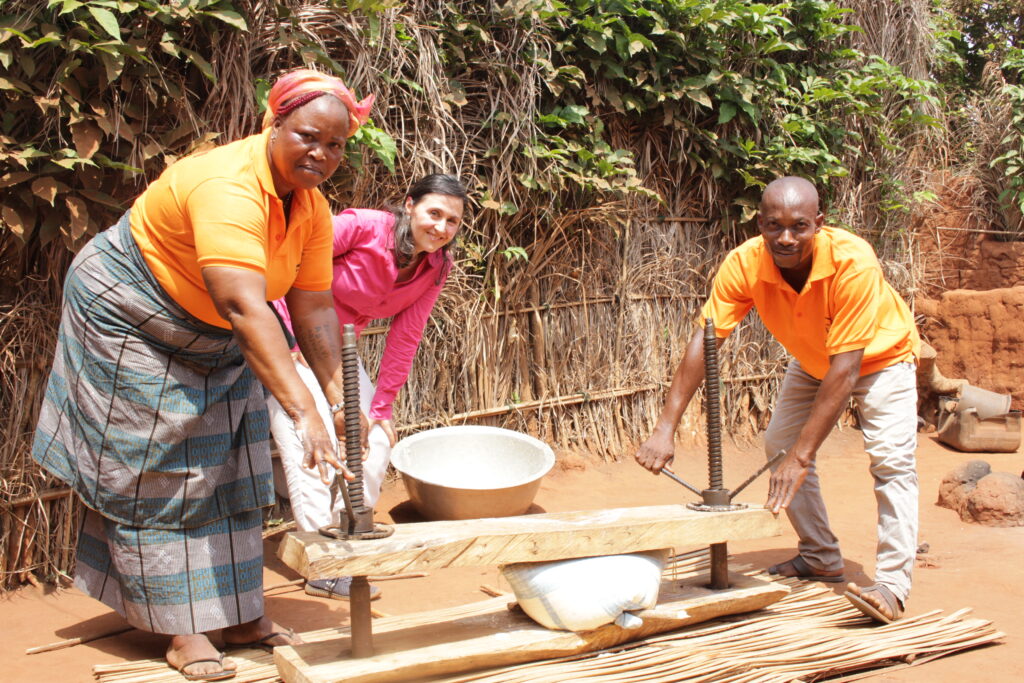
(967, 565)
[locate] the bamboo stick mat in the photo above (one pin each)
(809, 635)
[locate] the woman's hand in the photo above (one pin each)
(392, 436)
(318, 451)
(240, 298)
(339, 429)
(319, 337)
(388, 428)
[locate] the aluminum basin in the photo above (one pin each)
(471, 471)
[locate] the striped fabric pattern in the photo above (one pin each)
(152, 416)
(175, 582)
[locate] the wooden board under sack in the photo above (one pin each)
(527, 538)
(503, 636)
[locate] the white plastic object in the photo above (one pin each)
(586, 593)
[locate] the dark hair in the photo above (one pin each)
(435, 183)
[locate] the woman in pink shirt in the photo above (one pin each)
(387, 264)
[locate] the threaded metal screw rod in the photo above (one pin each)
(359, 518)
(714, 406)
(716, 493)
(358, 523)
(353, 436)
(716, 498)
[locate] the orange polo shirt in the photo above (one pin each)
(219, 208)
(845, 304)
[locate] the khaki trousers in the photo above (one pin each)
(887, 404)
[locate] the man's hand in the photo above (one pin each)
(785, 482)
(388, 428)
(656, 452)
(832, 397)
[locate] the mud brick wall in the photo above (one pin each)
(979, 336)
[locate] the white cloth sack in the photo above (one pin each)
(585, 593)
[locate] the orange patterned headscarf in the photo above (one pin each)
(298, 87)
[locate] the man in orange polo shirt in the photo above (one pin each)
(820, 292)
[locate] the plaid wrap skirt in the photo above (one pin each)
(158, 424)
(174, 581)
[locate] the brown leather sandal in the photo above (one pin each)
(805, 571)
(854, 594)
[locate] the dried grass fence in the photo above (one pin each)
(575, 344)
(37, 516)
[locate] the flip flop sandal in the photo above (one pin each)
(804, 571)
(262, 643)
(866, 608)
(221, 675)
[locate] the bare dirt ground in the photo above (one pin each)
(967, 565)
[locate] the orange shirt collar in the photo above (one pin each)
(261, 163)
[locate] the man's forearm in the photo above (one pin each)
(659, 448)
(831, 399)
(687, 379)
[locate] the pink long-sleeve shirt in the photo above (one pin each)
(364, 289)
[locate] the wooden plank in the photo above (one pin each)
(501, 637)
(527, 538)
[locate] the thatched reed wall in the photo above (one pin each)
(576, 343)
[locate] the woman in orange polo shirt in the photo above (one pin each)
(155, 410)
